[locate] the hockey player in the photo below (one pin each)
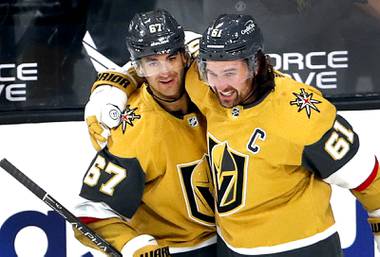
(150, 187)
(275, 146)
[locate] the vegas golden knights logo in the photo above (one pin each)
(197, 188)
(229, 172)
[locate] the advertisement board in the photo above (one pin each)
(56, 156)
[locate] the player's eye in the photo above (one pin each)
(152, 63)
(172, 57)
(211, 74)
(229, 74)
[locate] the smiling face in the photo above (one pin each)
(230, 80)
(165, 74)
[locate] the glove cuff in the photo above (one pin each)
(122, 81)
(375, 225)
(136, 243)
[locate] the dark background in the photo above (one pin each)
(50, 33)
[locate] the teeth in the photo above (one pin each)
(166, 80)
(229, 93)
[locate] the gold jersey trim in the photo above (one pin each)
(282, 247)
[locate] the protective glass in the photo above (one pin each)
(154, 65)
(230, 75)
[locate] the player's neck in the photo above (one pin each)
(180, 105)
(251, 96)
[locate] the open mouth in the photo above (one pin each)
(227, 93)
(166, 81)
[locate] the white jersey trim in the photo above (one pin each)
(137, 243)
(374, 214)
(94, 210)
(282, 247)
(356, 171)
(210, 241)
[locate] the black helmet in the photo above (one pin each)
(154, 32)
(231, 37)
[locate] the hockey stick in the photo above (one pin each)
(102, 244)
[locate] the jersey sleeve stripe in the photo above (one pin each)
(370, 179)
(88, 220)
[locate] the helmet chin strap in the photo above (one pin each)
(171, 100)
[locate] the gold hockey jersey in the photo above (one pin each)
(268, 161)
(155, 174)
(272, 163)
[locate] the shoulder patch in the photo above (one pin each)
(128, 117)
(305, 101)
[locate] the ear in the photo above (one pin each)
(260, 63)
(186, 58)
(139, 69)
(257, 68)
(253, 64)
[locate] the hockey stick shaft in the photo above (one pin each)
(102, 244)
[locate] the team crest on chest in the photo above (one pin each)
(304, 100)
(197, 187)
(229, 174)
(128, 117)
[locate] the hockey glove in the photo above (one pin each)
(144, 245)
(192, 43)
(374, 221)
(103, 112)
(107, 101)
